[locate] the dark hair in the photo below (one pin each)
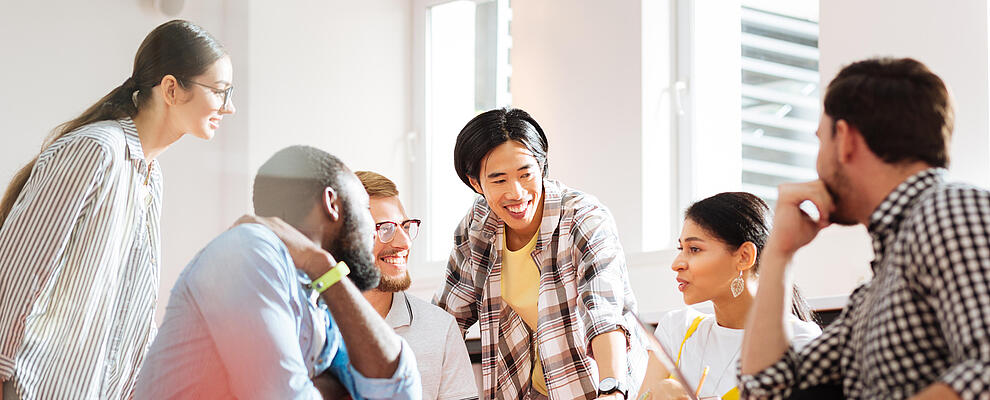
(736, 218)
(490, 129)
(293, 180)
(901, 108)
(178, 48)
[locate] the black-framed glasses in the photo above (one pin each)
(386, 230)
(222, 93)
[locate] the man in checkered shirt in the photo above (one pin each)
(921, 327)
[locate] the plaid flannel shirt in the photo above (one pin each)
(584, 292)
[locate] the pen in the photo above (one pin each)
(704, 374)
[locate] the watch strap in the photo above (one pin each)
(330, 278)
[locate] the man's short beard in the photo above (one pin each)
(353, 246)
(838, 186)
(391, 285)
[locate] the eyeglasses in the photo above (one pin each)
(386, 230)
(225, 93)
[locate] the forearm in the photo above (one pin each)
(328, 385)
(609, 351)
(764, 340)
(937, 391)
(372, 346)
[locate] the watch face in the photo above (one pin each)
(607, 384)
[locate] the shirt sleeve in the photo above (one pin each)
(457, 381)
(803, 332)
(815, 364)
(602, 276)
(664, 332)
(244, 291)
(405, 383)
(959, 281)
(37, 231)
(460, 291)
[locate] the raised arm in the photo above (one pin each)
(765, 340)
(377, 354)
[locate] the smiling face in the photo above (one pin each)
(392, 258)
(704, 266)
(512, 183)
(202, 108)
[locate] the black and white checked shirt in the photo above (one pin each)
(925, 315)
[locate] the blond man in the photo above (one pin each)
(431, 332)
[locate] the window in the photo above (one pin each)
(780, 95)
(466, 71)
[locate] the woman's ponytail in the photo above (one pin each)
(178, 48)
(800, 307)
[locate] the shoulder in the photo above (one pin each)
(476, 216)
(103, 139)
(583, 211)
(432, 315)
(108, 134)
(677, 322)
(948, 212)
(250, 249)
(802, 332)
(952, 200)
(803, 327)
(577, 203)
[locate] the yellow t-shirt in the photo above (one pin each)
(520, 290)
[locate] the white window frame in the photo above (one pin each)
(427, 274)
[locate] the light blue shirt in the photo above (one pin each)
(240, 324)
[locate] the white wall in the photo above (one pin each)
(577, 69)
(948, 36)
(334, 75)
(329, 74)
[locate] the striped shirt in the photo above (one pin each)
(584, 292)
(79, 261)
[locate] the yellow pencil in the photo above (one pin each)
(704, 374)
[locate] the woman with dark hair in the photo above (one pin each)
(540, 267)
(719, 261)
(79, 225)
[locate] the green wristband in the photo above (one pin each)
(328, 279)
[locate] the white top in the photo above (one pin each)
(79, 259)
(716, 346)
(436, 340)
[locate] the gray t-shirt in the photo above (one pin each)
(439, 347)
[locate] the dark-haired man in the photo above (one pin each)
(267, 307)
(919, 328)
(432, 333)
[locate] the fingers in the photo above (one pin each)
(793, 194)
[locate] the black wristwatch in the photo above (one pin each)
(612, 385)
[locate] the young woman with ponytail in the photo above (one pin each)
(719, 261)
(79, 225)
